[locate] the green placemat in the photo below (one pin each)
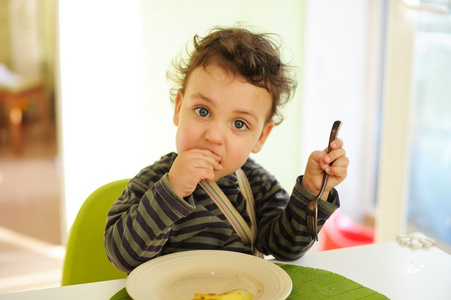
(121, 295)
(309, 283)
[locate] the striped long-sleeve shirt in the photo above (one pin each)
(149, 219)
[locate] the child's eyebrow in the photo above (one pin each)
(202, 97)
(251, 114)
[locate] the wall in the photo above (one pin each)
(342, 82)
(26, 58)
(5, 53)
(27, 38)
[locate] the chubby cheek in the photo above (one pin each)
(236, 157)
(185, 139)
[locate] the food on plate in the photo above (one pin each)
(238, 294)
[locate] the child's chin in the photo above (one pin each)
(220, 174)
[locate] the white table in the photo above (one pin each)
(96, 290)
(388, 268)
(396, 271)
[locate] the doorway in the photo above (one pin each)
(31, 248)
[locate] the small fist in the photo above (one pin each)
(191, 167)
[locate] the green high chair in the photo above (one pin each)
(86, 259)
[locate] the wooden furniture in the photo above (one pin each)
(19, 98)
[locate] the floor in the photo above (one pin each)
(31, 253)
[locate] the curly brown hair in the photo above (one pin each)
(256, 57)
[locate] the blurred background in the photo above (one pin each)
(84, 101)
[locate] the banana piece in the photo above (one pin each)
(238, 294)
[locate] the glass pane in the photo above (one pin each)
(430, 183)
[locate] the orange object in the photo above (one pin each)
(340, 231)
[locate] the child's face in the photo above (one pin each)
(224, 114)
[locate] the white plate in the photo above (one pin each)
(180, 275)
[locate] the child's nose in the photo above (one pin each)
(214, 134)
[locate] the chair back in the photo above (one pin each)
(86, 259)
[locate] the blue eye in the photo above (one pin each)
(202, 112)
(239, 124)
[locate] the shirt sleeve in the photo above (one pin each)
(282, 227)
(139, 222)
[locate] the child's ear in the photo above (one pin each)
(178, 104)
(263, 136)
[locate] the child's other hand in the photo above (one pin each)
(320, 161)
(191, 167)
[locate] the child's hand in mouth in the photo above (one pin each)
(191, 167)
